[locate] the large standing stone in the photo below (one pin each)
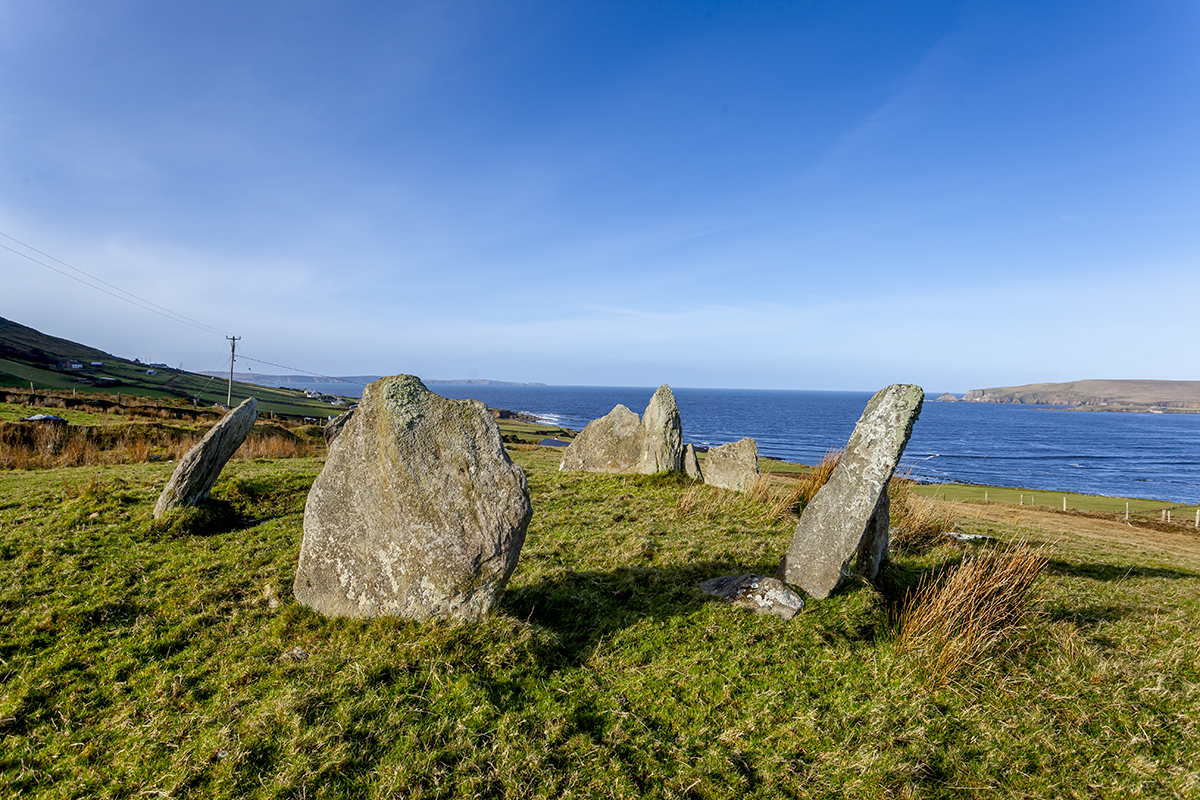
(200, 467)
(733, 465)
(846, 516)
(418, 512)
(620, 443)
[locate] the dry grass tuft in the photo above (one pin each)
(811, 482)
(919, 521)
(974, 609)
(703, 501)
(41, 445)
(777, 501)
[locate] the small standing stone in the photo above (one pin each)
(691, 464)
(848, 518)
(732, 466)
(334, 426)
(200, 467)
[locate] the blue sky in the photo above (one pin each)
(759, 195)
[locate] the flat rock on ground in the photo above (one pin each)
(756, 593)
(200, 467)
(418, 512)
(846, 512)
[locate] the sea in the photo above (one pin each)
(1043, 448)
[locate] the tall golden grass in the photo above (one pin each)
(919, 521)
(44, 445)
(810, 483)
(951, 621)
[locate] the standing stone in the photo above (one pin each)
(620, 443)
(691, 464)
(334, 426)
(732, 466)
(844, 518)
(611, 444)
(200, 467)
(418, 512)
(662, 447)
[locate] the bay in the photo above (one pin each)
(1154, 456)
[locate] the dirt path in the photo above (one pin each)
(1175, 543)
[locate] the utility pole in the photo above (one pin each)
(232, 349)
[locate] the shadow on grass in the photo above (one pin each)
(207, 518)
(1111, 572)
(1088, 617)
(582, 608)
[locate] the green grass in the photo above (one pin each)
(11, 412)
(147, 661)
(168, 385)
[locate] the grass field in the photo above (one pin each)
(140, 662)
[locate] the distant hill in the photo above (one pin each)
(360, 380)
(34, 365)
(1098, 395)
(23, 343)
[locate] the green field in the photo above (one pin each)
(140, 661)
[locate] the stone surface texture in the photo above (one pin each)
(418, 512)
(733, 465)
(846, 518)
(691, 464)
(334, 426)
(756, 593)
(662, 444)
(621, 443)
(200, 467)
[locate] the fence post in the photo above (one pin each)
(1064, 504)
(1022, 499)
(1127, 510)
(985, 495)
(1033, 499)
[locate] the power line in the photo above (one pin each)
(148, 305)
(140, 302)
(297, 369)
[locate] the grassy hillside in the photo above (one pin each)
(148, 661)
(29, 360)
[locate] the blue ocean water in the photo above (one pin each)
(1155, 456)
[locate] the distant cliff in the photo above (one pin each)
(1097, 395)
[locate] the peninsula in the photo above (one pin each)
(1098, 395)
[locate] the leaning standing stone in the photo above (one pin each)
(418, 512)
(844, 517)
(334, 426)
(691, 464)
(200, 467)
(732, 466)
